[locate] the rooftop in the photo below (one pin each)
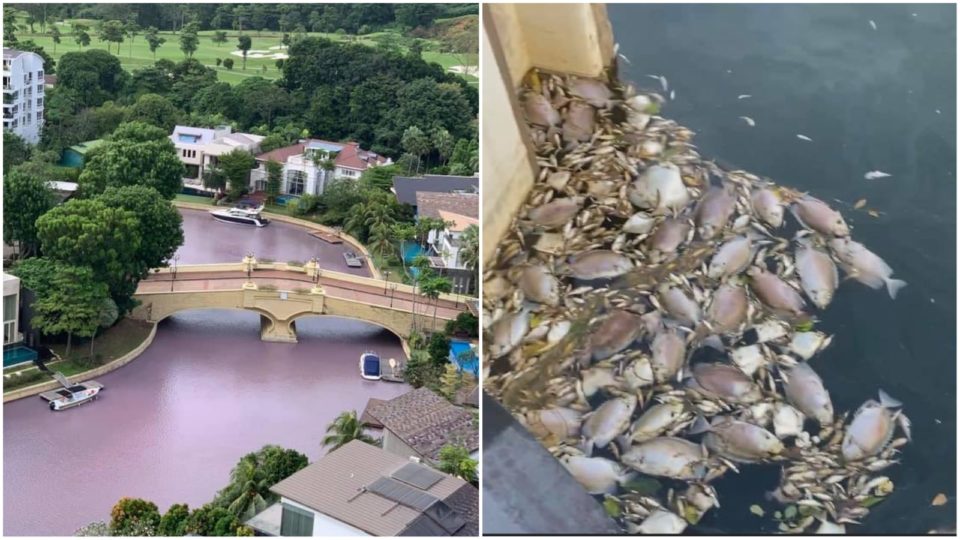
(366, 419)
(384, 494)
(407, 188)
(460, 222)
(426, 422)
(86, 146)
(349, 154)
(431, 204)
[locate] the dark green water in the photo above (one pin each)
(868, 99)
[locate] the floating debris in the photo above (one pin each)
(744, 96)
(939, 500)
(873, 25)
(804, 138)
(631, 258)
(873, 175)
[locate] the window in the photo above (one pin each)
(295, 181)
(295, 521)
(193, 171)
(39, 117)
(39, 103)
(189, 153)
(10, 308)
(40, 74)
(260, 185)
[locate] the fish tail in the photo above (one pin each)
(888, 401)
(700, 425)
(894, 286)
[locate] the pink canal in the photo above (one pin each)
(172, 424)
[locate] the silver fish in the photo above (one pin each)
(679, 305)
(670, 457)
(736, 440)
(659, 188)
(668, 353)
(724, 381)
(774, 292)
(615, 333)
(871, 430)
(728, 308)
(656, 420)
(669, 235)
(767, 205)
(817, 215)
(592, 91)
(539, 285)
(639, 223)
(865, 266)
(607, 422)
(556, 213)
(539, 110)
(599, 264)
(713, 212)
(804, 390)
(818, 273)
(579, 121)
(508, 332)
(731, 258)
(596, 474)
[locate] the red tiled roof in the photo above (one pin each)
(354, 157)
(281, 154)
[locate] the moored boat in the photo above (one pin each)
(245, 215)
(370, 366)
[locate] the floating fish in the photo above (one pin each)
(804, 138)
(744, 96)
(748, 120)
(873, 175)
(873, 25)
(673, 95)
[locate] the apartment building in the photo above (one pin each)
(23, 94)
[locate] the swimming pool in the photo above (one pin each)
(18, 355)
(471, 364)
(411, 250)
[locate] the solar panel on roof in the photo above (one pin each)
(402, 493)
(417, 476)
(446, 517)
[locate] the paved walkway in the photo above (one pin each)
(284, 280)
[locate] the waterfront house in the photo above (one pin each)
(361, 490)
(459, 211)
(419, 423)
(406, 187)
(11, 310)
(23, 94)
(199, 148)
(312, 164)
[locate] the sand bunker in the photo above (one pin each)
(253, 53)
(465, 70)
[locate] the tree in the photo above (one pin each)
(130, 513)
(156, 110)
(380, 239)
(189, 41)
(455, 460)
(111, 32)
(451, 381)
(131, 28)
(211, 520)
(236, 166)
(439, 349)
(91, 77)
(97, 528)
(174, 522)
(279, 64)
(219, 37)
(443, 143)
(138, 132)
(249, 502)
(154, 41)
(15, 150)
(9, 25)
(55, 36)
(49, 65)
(82, 38)
(228, 63)
(414, 15)
(432, 289)
(420, 370)
(160, 224)
(77, 233)
(26, 197)
(379, 177)
(68, 300)
(345, 428)
(416, 142)
(126, 163)
(274, 178)
(244, 44)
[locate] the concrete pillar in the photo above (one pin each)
(277, 331)
(247, 266)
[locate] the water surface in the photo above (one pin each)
(870, 99)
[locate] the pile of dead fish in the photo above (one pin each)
(652, 321)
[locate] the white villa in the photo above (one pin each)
(199, 148)
(311, 164)
(23, 92)
(460, 211)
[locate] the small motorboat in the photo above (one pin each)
(370, 366)
(353, 260)
(244, 214)
(71, 395)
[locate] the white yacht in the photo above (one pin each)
(243, 213)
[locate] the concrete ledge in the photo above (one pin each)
(353, 242)
(89, 374)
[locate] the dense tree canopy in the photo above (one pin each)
(160, 225)
(26, 197)
(156, 110)
(91, 77)
(15, 150)
(125, 162)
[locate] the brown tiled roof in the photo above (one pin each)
(354, 157)
(366, 419)
(335, 486)
(281, 154)
(465, 204)
(427, 422)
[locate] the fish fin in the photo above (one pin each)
(796, 216)
(905, 425)
(586, 445)
(894, 286)
(888, 401)
(700, 425)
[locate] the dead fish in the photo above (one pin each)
(578, 122)
(804, 138)
(592, 91)
(615, 333)
(597, 378)
(556, 213)
(713, 212)
(539, 285)
(596, 474)
(659, 188)
(774, 292)
(559, 422)
(817, 215)
(669, 457)
(607, 422)
(724, 381)
(656, 420)
(873, 175)
(873, 25)
(508, 332)
(598, 264)
(807, 344)
(540, 111)
(731, 258)
(749, 358)
(748, 120)
(736, 440)
(669, 235)
(804, 390)
(865, 266)
(787, 421)
(744, 96)
(818, 273)
(661, 522)
(639, 223)
(766, 204)
(872, 428)
(668, 354)
(679, 305)
(728, 308)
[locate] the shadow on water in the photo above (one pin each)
(870, 99)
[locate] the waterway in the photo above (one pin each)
(172, 424)
(870, 99)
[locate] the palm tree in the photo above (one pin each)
(380, 238)
(470, 249)
(357, 220)
(438, 285)
(249, 501)
(456, 461)
(343, 429)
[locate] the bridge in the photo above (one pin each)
(283, 292)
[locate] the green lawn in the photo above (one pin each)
(194, 199)
(120, 339)
(136, 53)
